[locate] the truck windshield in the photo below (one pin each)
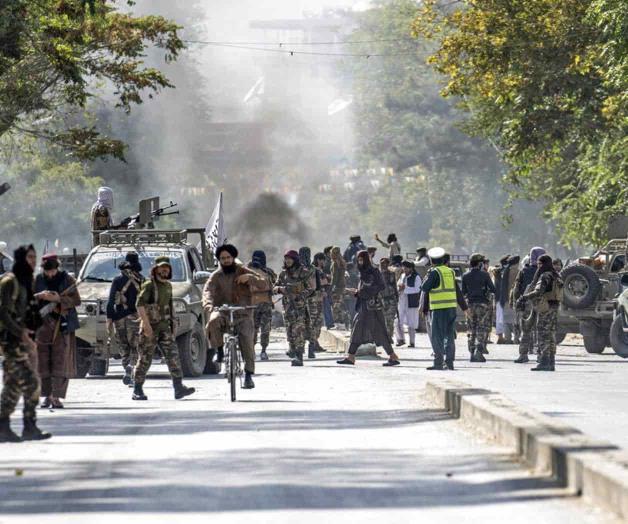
(104, 266)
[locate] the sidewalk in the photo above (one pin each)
(588, 392)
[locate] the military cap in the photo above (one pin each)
(162, 261)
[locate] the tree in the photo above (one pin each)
(543, 80)
(55, 53)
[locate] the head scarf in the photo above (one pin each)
(132, 262)
(535, 253)
(22, 269)
(258, 259)
(105, 197)
(366, 265)
(318, 257)
(545, 264)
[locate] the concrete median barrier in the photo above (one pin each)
(596, 470)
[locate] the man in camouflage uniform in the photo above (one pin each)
(263, 315)
(314, 317)
(545, 295)
(390, 295)
(338, 286)
(156, 311)
(122, 312)
(477, 287)
(294, 284)
(17, 326)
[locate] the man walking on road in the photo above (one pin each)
(122, 312)
(546, 294)
(409, 286)
(390, 295)
(156, 311)
(19, 372)
(263, 314)
(476, 289)
(442, 290)
(525, 312)
(369, 324)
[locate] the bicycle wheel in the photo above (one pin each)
(233, 368)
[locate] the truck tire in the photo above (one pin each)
(193, 352)
(595, 344)
(619, 339)
(99, 367)
(581, 286)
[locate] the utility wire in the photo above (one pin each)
(292, 52)
(281, 44)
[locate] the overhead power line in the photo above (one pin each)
(292, 52)
(281, 44)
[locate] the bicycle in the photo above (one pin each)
(233, 358)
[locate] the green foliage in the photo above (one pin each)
(547, 82)
(54, 52)
(49, 196)
(447, 186)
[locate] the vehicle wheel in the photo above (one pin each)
(594, 343)
(233, 376)
(581, 286)
(99, 367)
(619, 339)
(83, 361)
(560, 336)
(192, 352)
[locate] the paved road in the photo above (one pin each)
(589, 392)
(350, 445)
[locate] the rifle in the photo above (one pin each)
(134, 220)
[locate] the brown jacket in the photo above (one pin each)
(222, 289)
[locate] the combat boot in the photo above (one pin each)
(248, 381)
(310, 351)
(32, 432)
(180, 390)
(127, 379)
(522, 359)
(543, 365)
(552, 362)
(297, 361)
(437, 366)
(263, 355)
(138, 392)
(6, 433)
(478, 357)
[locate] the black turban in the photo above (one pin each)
(229, 248)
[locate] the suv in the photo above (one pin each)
(591, 287)
(619, 326)
(189, 273)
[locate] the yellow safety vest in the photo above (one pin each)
(444, 296)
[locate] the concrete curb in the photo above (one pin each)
(595, 469)
(338, 341)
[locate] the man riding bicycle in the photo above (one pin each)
(232, 284)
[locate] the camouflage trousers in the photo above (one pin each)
(339, 310)
(546, 325)
(263, 318)
(127, 336)
(164, 337)
(390, 313)
(20, 380)
(294, 318)
(479, 326)
(314, 319)
(528, 333)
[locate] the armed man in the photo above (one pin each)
(102, 213)
(294, 284)
(18, 321)
(314, 317)
(232, 284)
(545, 295)
(263, 315)
(476, 289)
(390, 295)
(527, 325)
(122, 312)
(156, 311)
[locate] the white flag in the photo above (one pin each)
(215, 231)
